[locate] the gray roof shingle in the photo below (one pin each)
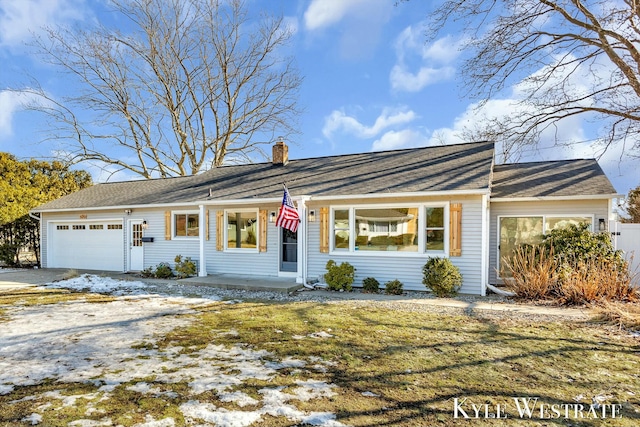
(439, 168)
(561, 178)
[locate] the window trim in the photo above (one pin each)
(226, 248)
(422, 234)
(544, 224)
(173, 224)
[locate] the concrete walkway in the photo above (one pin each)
(12, 279)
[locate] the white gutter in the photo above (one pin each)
(409, 194)
(101, 208)
(554, 198)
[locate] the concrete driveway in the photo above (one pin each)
(21, 278)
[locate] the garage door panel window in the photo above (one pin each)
(62, 227)
(96, 227)
(186, 225)
(114, 226)
(79, 227)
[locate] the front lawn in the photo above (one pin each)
(305, 363)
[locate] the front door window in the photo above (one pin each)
(289, 251)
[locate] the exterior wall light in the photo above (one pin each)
(602, 226)
(128, 211)
(312, 215)
(272, 216)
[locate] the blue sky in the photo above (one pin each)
(371, 82)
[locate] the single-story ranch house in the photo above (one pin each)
(383, 212)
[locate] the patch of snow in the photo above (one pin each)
(105, 422)
(370, 394)
(151, 422)
(239, 398)
(93, 283)
(321, 334)
(219, 417)
(34, 419)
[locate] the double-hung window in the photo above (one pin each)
(435, 230)
(341, 230)
(186, 224)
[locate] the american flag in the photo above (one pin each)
(288, 216)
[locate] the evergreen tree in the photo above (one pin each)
(25, 185)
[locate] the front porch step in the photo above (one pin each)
(246, 283)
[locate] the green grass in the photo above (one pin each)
(416, 363)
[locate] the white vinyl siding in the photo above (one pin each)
(408, 269)
(242, 262)
(587, 208)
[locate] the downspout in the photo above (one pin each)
(201, 236)
(302, 242)
(485, 244)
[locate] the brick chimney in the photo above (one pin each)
(280, 153)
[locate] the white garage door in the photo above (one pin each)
(86, 245)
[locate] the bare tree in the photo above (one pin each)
(184, 86)
(564, 58)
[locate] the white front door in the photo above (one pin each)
(136, 250)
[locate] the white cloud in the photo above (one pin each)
(406, 81)
(419, 64)
(340, 121)
(406, 138)
(10, 103)
(361, 23)
(19, 19)
(323, 13)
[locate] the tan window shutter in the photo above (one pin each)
(324, 230)
(167, 225)
(263, 230)
(206, 224)
(455, 229)
(219, 230)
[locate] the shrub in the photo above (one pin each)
(532, 271)
(573, 265)
(441, 277)
(163, 271)
(339, 277)
(9, 254)
(148, 272)
(576, 244)
(596, 281)
(370, 285)
(184, 268)
(393, 287)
